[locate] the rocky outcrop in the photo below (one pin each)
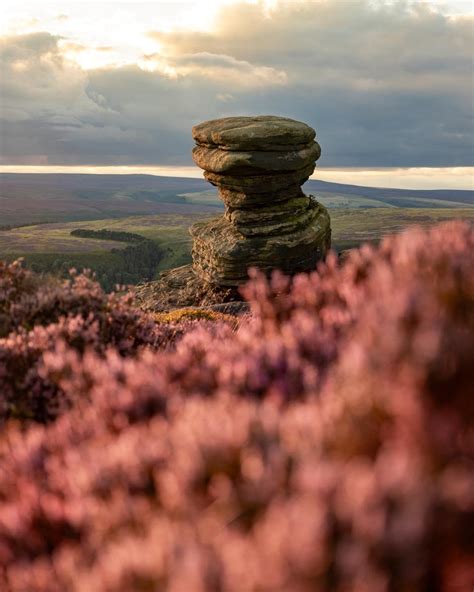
(258, 165)
(181, 287)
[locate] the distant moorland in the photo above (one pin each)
(40, 215)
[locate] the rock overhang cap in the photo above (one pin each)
(260, 132)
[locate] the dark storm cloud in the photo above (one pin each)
(383, 86)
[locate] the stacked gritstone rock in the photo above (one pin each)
(258, 165)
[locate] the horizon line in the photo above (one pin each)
(411, 178)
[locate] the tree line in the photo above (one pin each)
(136, 262)
(104, 234)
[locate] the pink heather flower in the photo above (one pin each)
(326, 444)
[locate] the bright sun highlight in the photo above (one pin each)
(111, 33)
(105, 33)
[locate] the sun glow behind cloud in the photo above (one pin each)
(123, 82)
(122, 26)
(87, 28)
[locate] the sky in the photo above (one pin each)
(387, 84)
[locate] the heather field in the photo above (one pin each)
(237, 296)
(324, 441)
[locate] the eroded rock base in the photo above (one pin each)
(181, 288)
(222, 255)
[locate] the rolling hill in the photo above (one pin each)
(38, 198)
(39, 212)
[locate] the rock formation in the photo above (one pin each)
(258, 165)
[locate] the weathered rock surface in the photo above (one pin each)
(262, 132)
(222, 254)
(216, 160)
(261, 183)
(288, 216)
(258, 165)
(181, 287)
(243, 200)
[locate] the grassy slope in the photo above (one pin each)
(36, 198)
(350, 228)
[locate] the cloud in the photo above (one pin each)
(44, 100)
(389, 84)
(384, 84)
(218, 68)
